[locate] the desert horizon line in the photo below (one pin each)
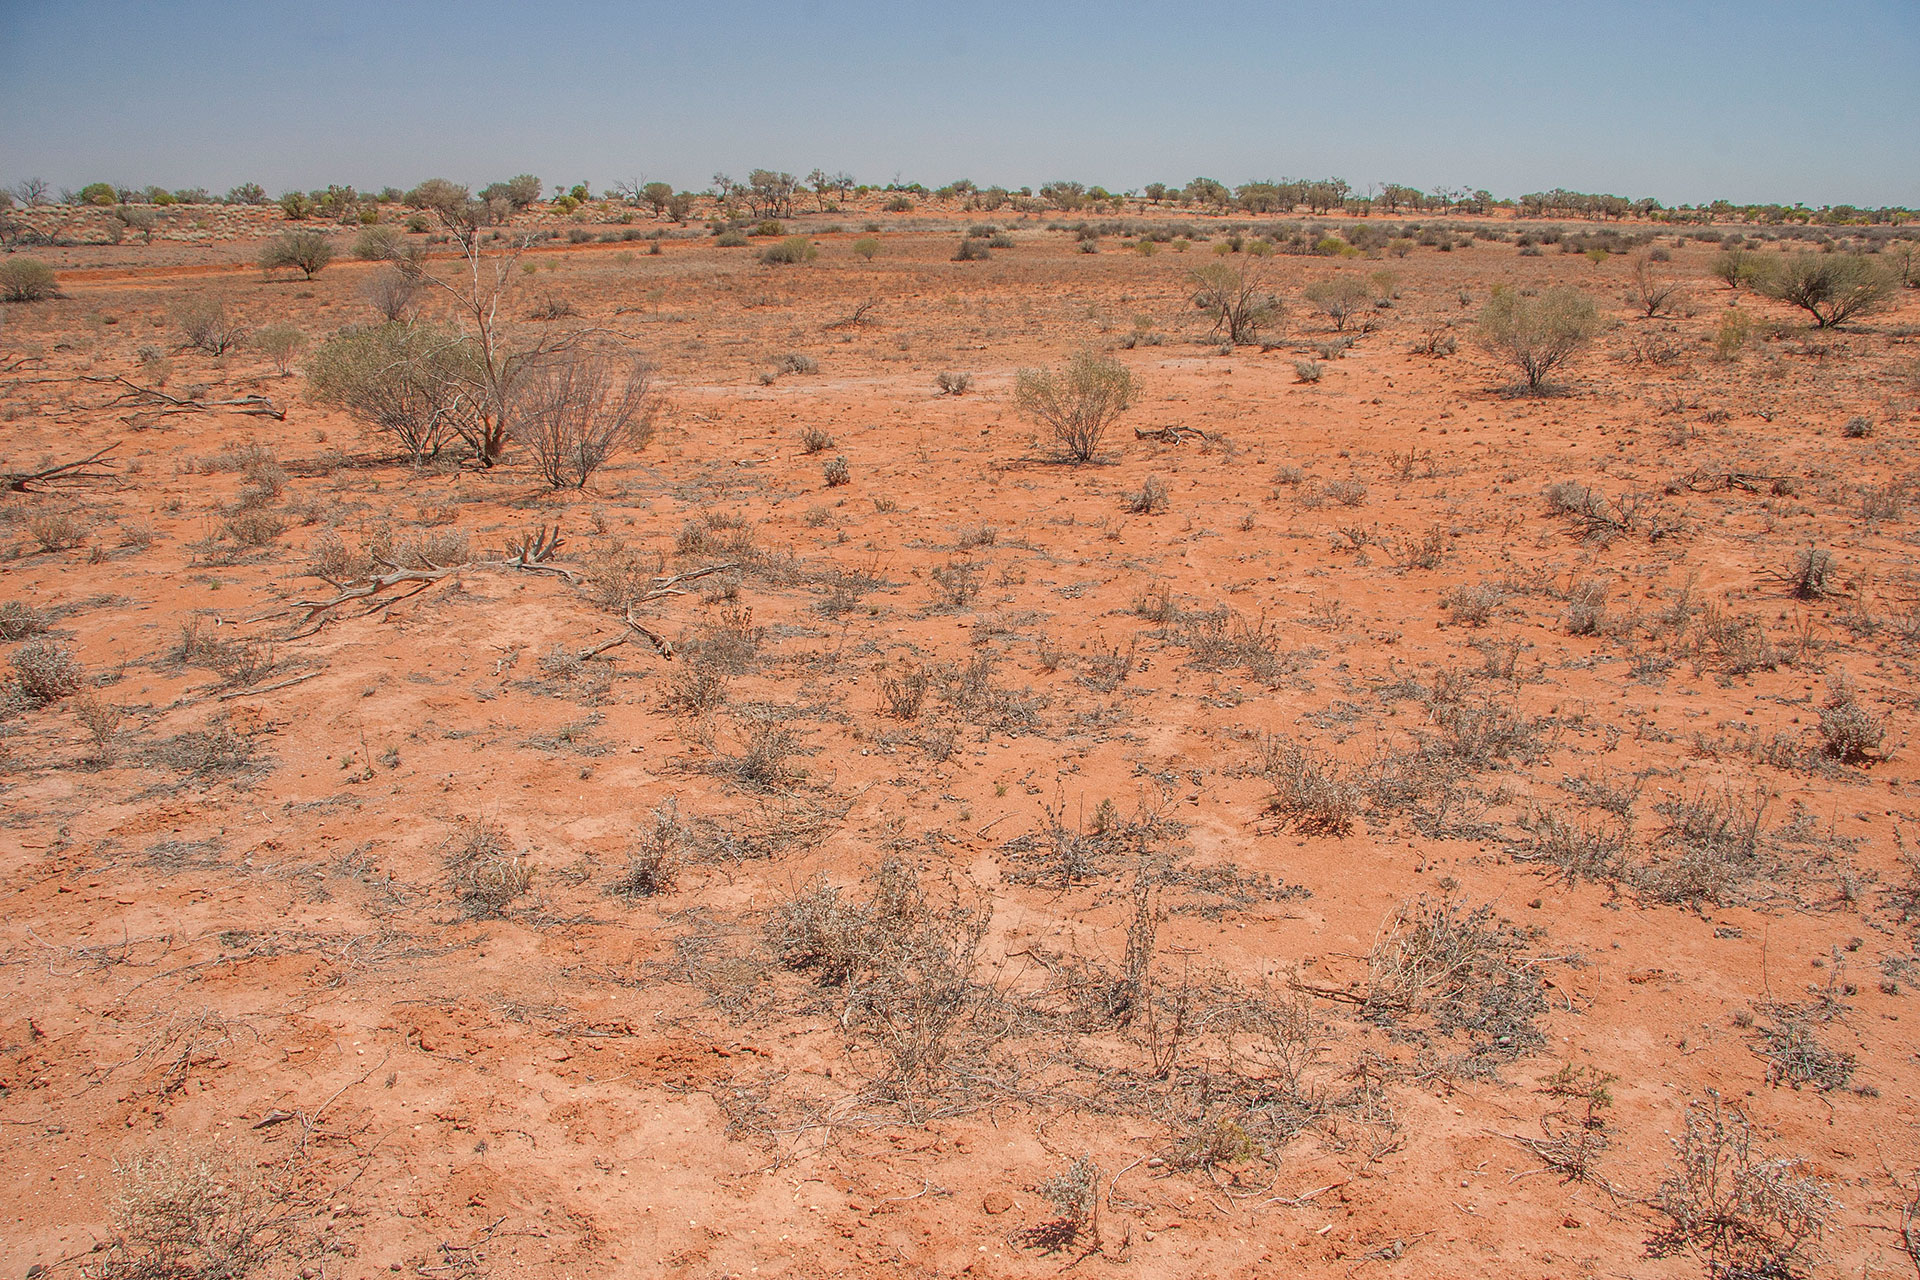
(779, 190)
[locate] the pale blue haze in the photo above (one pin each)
(1685, 102)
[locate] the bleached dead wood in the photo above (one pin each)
(62, 473)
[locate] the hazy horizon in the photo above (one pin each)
(1754, 103)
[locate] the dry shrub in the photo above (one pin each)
(765, 761)
(575, 410)
(659, 853)
(1714, 843)
(484, 874)
(1849, 732)
(1309, 793)
(253, 528)
(44, 672)
(1150, 499)
(1472, 605)
(57, 530)
(1579, 848)
(194, 1214)
(19, 620)
(1739, 1210)
(899, 965)
(904, 690)
(102, 723)
(207, 327)
(1462, 969)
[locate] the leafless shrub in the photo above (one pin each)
(1309, 793)
(391, 293)
(904, 690)
(207, 327)
(1654, 293)
(575, 409)
(1739, 643)
(1150, 499)
(218, 751)
(695, 687)
(1237, 300)
(1579, 848)
(45, 672)
(485, 875)
(900, 966)
(1587, 606)
(815, 440)
(1462, 969)
(958, 582)
(953, 384)
(836, 472)
(181, 1214)
(102, 723)
(1714, 843)
(1107, 667)
(1811, 575)
(658, 855)
(766, 761)
(1740, 1211)
(1436, 340)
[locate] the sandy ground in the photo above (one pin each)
(267, 918)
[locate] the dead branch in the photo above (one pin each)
(1172, 435)
(268, 688)
(23, 482)
(857, 317)
(532, 553)
(318, 611)
(152, 398)
(662, 587)
(1704, 481)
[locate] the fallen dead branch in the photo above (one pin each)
(269, 688)
(857, 317)
(662, 587)
(157, 401)
(1173, 435)
(62, 473)
(1704, 481)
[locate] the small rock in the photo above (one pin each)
(996, 1202)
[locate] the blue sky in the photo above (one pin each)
(1682, 101)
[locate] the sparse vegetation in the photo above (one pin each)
(1078, 403)
(1538, 334)
(26, 280)
(1833, 288)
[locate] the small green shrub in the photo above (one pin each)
(27, 280)
(1538, 334)
(790, 250)
(1078, 403)
(308, 251)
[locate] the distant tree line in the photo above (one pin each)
(774, 193)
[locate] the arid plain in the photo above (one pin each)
(1353, 826)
